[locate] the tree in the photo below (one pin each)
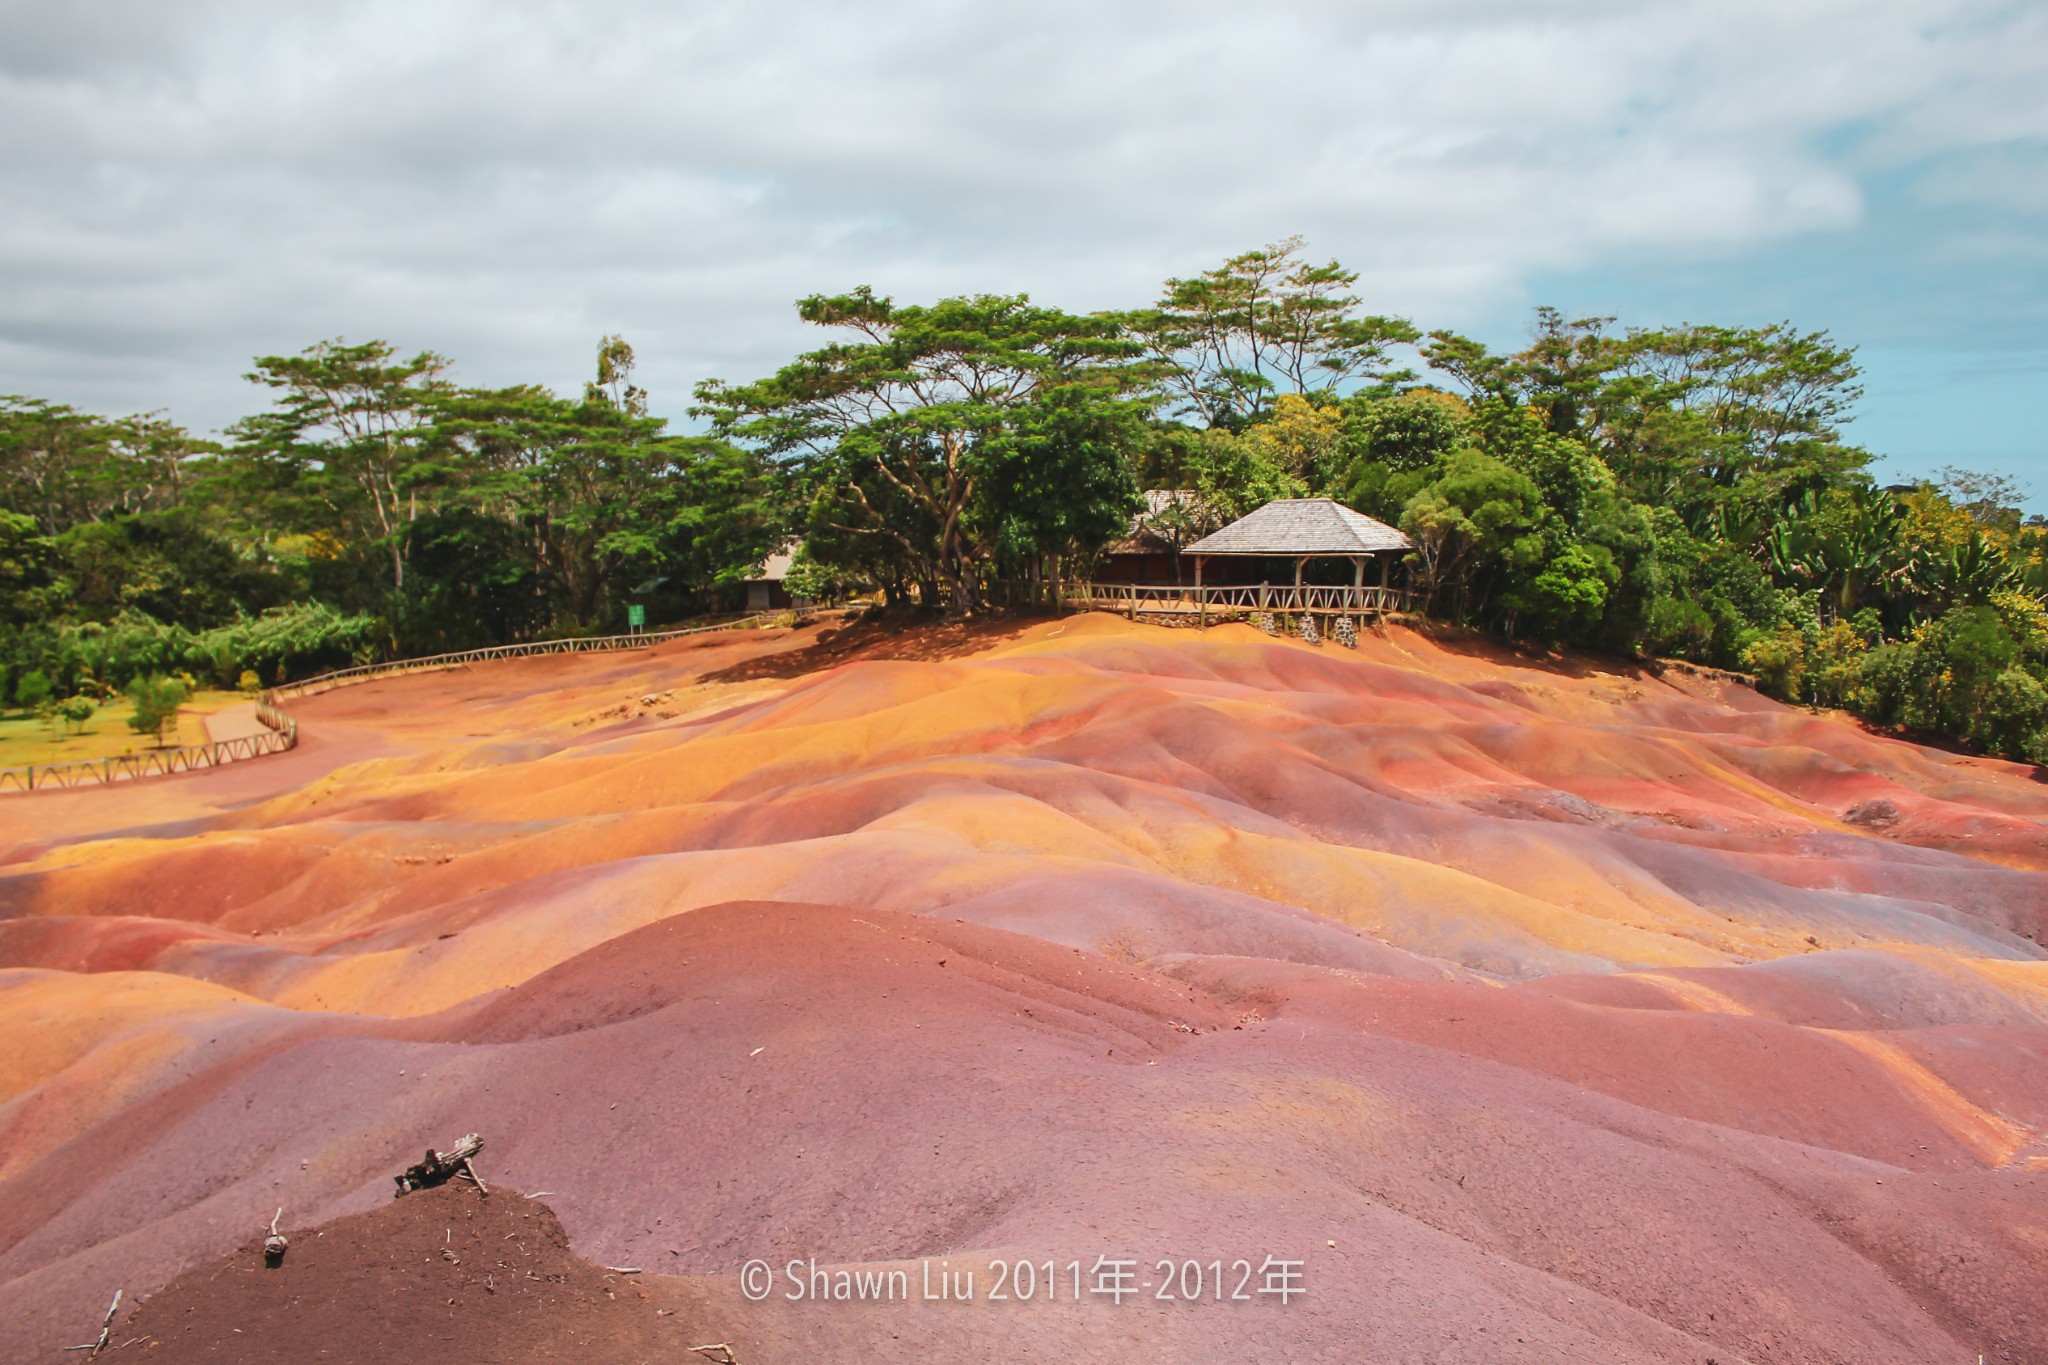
(1693, 417)
(1991, 499)
(1478, 521)
(1305, 440)
(941, 436)
(1232, 475)
(27, 565)
(575, 476)
(1563, 599)
(156, 700)
(597, 491)
(31, 690)
(1406, 431)
(172, 565)
(1844, 545)
(64, 468)
(1764, 405)
(1266, 323)
(350, 426)
(75, 712)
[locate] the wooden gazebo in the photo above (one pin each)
(1292, 531)
(1301, 529)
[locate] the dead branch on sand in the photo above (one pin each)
(93, 1348)
(275, 1244)
(441, 1167)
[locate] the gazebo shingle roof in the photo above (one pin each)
(1302, 526)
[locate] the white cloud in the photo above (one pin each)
(188, 185)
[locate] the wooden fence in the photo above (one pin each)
(463, 658)
(282, 734)
(1236, 600)
(281, 731)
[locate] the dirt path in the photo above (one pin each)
(233, 722)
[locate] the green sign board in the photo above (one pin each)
(636, 616)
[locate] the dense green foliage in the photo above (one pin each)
(1678, 491)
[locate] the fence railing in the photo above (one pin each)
(462, 658)
(282, 734)
(281, 731)
(1229, 600)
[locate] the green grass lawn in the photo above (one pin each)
(25, 739)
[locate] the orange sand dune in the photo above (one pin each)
(1545, 1011)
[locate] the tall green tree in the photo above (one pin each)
(1265, 323)
(603, 496)
(349, 429)
(27, 565)
(945, 435)
(65, 468)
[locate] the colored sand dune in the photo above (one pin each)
(1541, 1011)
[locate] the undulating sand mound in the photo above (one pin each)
(445, 1275)
(1507, 1010)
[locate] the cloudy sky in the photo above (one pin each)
(186, 185)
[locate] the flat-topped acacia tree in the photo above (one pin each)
(351, 425)
(947, 437)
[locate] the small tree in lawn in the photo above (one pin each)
(156, 701)
(76, 712)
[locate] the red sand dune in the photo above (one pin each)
(1544, 1012)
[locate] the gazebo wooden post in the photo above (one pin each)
(1201, 597)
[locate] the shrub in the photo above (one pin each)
(1960, 674)
(2012, 717)
(1779, 661)
(31, 690)
(1565, 600)
(1679, 628)
(1834, 665)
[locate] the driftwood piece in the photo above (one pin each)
(94, 1347)
(441, 1167)
(275, 1244)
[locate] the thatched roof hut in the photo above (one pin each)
(1302, 529)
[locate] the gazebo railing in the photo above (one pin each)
(1226, 600)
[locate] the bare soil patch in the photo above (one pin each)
(445, 1275)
